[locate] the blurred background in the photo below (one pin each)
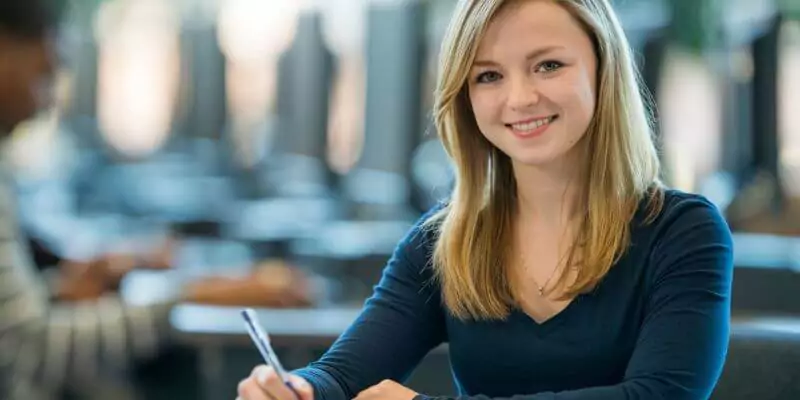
(291, 141)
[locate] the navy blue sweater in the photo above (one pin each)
(655, 328)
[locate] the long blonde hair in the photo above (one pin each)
(474, 238)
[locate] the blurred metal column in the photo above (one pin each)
(646, 24)
(743, 37)
(765, 140)
(751, 153)
(737, 118)
(305, 79)
(203, 116)
(379, 185)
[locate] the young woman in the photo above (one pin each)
(560, 268)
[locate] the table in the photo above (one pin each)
(300, 335)
(214, 325)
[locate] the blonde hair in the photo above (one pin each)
(474, 238)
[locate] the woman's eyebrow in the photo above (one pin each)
(536, 53)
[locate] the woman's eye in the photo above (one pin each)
(549, 66)
(487, 77)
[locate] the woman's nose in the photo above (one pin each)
(522, 94)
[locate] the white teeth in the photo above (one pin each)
(532, 125)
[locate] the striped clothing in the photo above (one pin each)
(47, 348)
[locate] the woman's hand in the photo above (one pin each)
(387, 390)
(264, 384)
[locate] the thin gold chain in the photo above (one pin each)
(541, 288)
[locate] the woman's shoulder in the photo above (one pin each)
(687, 226)
(677, 209)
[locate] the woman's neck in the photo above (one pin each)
(550, 196)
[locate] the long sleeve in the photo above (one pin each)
(45, 348)
(400, 323)
(684, 336)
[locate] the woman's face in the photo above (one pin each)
(532, 85)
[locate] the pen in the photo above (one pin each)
(261, 340)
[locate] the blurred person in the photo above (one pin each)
(79, 347)
(561, 267)
(48, 350)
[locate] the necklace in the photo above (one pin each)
(561, 263)
(540, 288)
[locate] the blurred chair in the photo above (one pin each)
(295, 192)
(766, 278)
(761, 205)
(202, 114)
(377, 192)
(763, 362)
(298, 161)
(378, 187)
